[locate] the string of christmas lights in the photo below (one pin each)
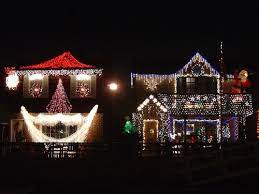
(79, 136)
(58, 72)
(194, 104)
(152, 80)
(53, 119)
(197, 61)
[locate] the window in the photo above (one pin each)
(59, 131)
(190, 85)
(82, 86)
(35, 86)
(206, 85)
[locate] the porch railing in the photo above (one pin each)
(87, 150)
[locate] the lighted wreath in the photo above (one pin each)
(197, 70)
(82, 89)
(36, 89)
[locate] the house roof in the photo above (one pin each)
(153, 99)
(63, 61)
(198, 58)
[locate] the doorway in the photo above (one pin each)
(150, 131)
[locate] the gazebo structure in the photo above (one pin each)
(55, 77)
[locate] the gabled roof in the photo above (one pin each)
(154, 100)
(198, 58)
(64, 61)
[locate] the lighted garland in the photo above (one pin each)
(153, 100)
(163, 133)
(46, 119)
(57, 72)
(137, 119)
(79, 136)
(236, 125)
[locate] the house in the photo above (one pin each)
(190, 105)
(54, 99)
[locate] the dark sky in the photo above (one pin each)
(151, 37)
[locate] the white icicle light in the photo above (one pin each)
(83, 77)
(52, 120)
(79, 136)
(37, 76)
(12, 81)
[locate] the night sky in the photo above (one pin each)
(151, 37)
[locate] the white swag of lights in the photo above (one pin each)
(51, 120)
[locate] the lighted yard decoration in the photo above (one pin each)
(59, 102)
(129, 127)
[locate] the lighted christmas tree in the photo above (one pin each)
(129, 128)
(59, 102)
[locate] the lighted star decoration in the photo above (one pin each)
(151, 84)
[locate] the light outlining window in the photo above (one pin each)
(35, 85)
(188, 121)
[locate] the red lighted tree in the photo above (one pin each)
(59, 102)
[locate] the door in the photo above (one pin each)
(150, 131)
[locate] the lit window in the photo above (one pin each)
(190, 85)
